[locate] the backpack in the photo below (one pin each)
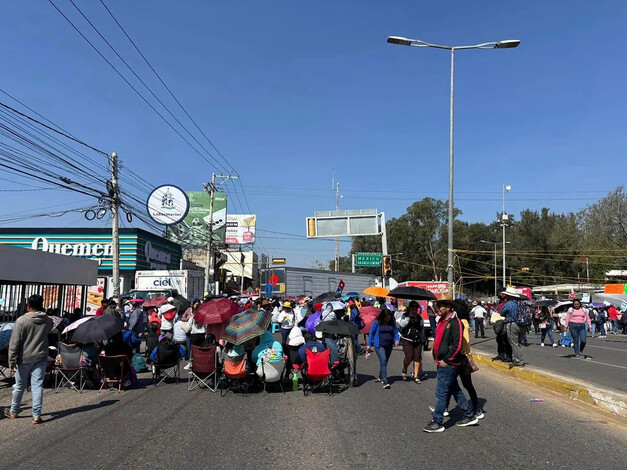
(139, 363)
(523, 318)
(414, 332)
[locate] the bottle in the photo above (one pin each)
(295, 382)
(367, 355)
(536, 400)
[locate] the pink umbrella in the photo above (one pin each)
(368, 315)
(216, 311)
(72, 326)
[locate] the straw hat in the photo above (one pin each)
(511, 292)
(446, 298)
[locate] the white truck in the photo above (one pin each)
(188, 283)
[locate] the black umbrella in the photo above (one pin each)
(327, 297)
(337, 327)
(98, 329)
(412, 293)
(545, 303)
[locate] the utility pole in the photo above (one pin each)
(209, 271)
(337, 239)
(115, 231)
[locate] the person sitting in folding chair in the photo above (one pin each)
(118, 347)
(165, 359)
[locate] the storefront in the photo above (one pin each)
(139, 250)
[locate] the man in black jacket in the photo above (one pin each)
(447, 352)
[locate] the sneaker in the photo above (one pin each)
(188, 366)
(542, 344)
(433, 427)
(445, 414)
(563, 345)
(386, 384)
(37, 420)
(554, 345)
(8, 414)
(467, 421)
(479, 414)
(378, 379)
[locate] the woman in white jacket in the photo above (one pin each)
(287, 318)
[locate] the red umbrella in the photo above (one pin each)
(155, 302)
(368, 315)
(216, 311)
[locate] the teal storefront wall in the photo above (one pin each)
(96, 244)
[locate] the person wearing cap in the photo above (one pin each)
(515, 333)
(287, 320)
(447, 351)
(478, 312)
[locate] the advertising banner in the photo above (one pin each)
(167, 205)
(240, 229)
(193, 231)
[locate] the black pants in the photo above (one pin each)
(472, 393)
(479, 325)
(503, 346)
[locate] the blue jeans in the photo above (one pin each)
(548, 330)
(614, 326)
(384, 356)
(578, 334)
(445, 388)
(36, 371)
(594, 328)
(601, 328)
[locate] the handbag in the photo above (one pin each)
(468, 365)
(474, 367)
(185, 326)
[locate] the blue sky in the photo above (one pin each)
(289, 90)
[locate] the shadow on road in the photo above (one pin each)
(79, 409)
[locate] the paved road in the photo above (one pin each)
(607, 367)
(367, 427)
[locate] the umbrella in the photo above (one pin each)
(597, 304)
(412, 293)
(337, 327)
(155, 302)
(376, 291)
(352, 294)
(368, 315)
(55, 320)
(545, 303)
(100, 328)
(312, 321)
(5, 335)
(216, 311)
(561, 305)
(77, 323)
(337, 305)
(246, 325)
(327, 297)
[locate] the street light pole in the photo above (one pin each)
(504, 219)
(507, 44)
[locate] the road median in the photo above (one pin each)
(610, 400)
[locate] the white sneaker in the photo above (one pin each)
(554, 345)
(542, 344)
(563, 345)
(188, 366)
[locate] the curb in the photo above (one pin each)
(610, 400)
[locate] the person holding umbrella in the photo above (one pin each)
(383, 337)
(413, 339)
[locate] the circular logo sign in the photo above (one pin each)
(167, 205)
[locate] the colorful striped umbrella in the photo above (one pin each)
(247, 325)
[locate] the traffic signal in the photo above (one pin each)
(387, 266)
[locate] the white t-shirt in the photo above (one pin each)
(478, 312)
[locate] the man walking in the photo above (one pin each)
(515, 327)
(478, 313)
(28, 355)
(447, 354)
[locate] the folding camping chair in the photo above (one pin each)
(316, 372)
(204, 368)
(235, 375)
(113, 370)
(272, 372)
(167, 365)
(70, 369)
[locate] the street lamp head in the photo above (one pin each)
(508, 187)
(507, 44)
(399, 40)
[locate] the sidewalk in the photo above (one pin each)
(601, 380)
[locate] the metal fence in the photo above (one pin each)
(61, 299)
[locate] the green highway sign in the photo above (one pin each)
(368, 260)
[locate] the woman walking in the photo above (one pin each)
(383, 336)
(413, 338)
(576, 321)
(546, 326)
